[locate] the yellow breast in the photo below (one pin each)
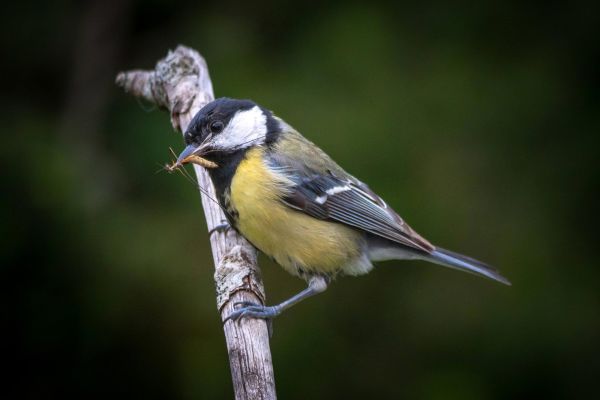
(295, 240)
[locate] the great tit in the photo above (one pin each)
(297, 206)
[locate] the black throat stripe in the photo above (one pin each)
(223, 174)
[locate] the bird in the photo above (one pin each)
(296, 205)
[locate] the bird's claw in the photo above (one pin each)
(221, 228)
(248, 309)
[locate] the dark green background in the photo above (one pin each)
(476, 121)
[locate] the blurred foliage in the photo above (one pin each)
(477, 121)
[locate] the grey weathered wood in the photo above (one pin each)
(181, 84)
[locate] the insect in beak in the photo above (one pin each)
(188, 156)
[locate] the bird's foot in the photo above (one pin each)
(222, 227)
(253, 310)
(245, 309)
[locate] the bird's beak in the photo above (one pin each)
(193, 154)
(188, 151)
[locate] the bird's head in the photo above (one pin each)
(225, 126)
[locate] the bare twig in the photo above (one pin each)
(181, 84)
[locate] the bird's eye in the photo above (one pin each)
(216, 126)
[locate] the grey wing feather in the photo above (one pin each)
(350, 202)
(324, 190)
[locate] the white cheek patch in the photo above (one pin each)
(246, 128)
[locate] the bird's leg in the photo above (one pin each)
(316, 284)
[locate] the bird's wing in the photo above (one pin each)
(351, 202)
(322, 189)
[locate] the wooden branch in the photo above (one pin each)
(181, 84)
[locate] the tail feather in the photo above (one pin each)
(467, 264)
